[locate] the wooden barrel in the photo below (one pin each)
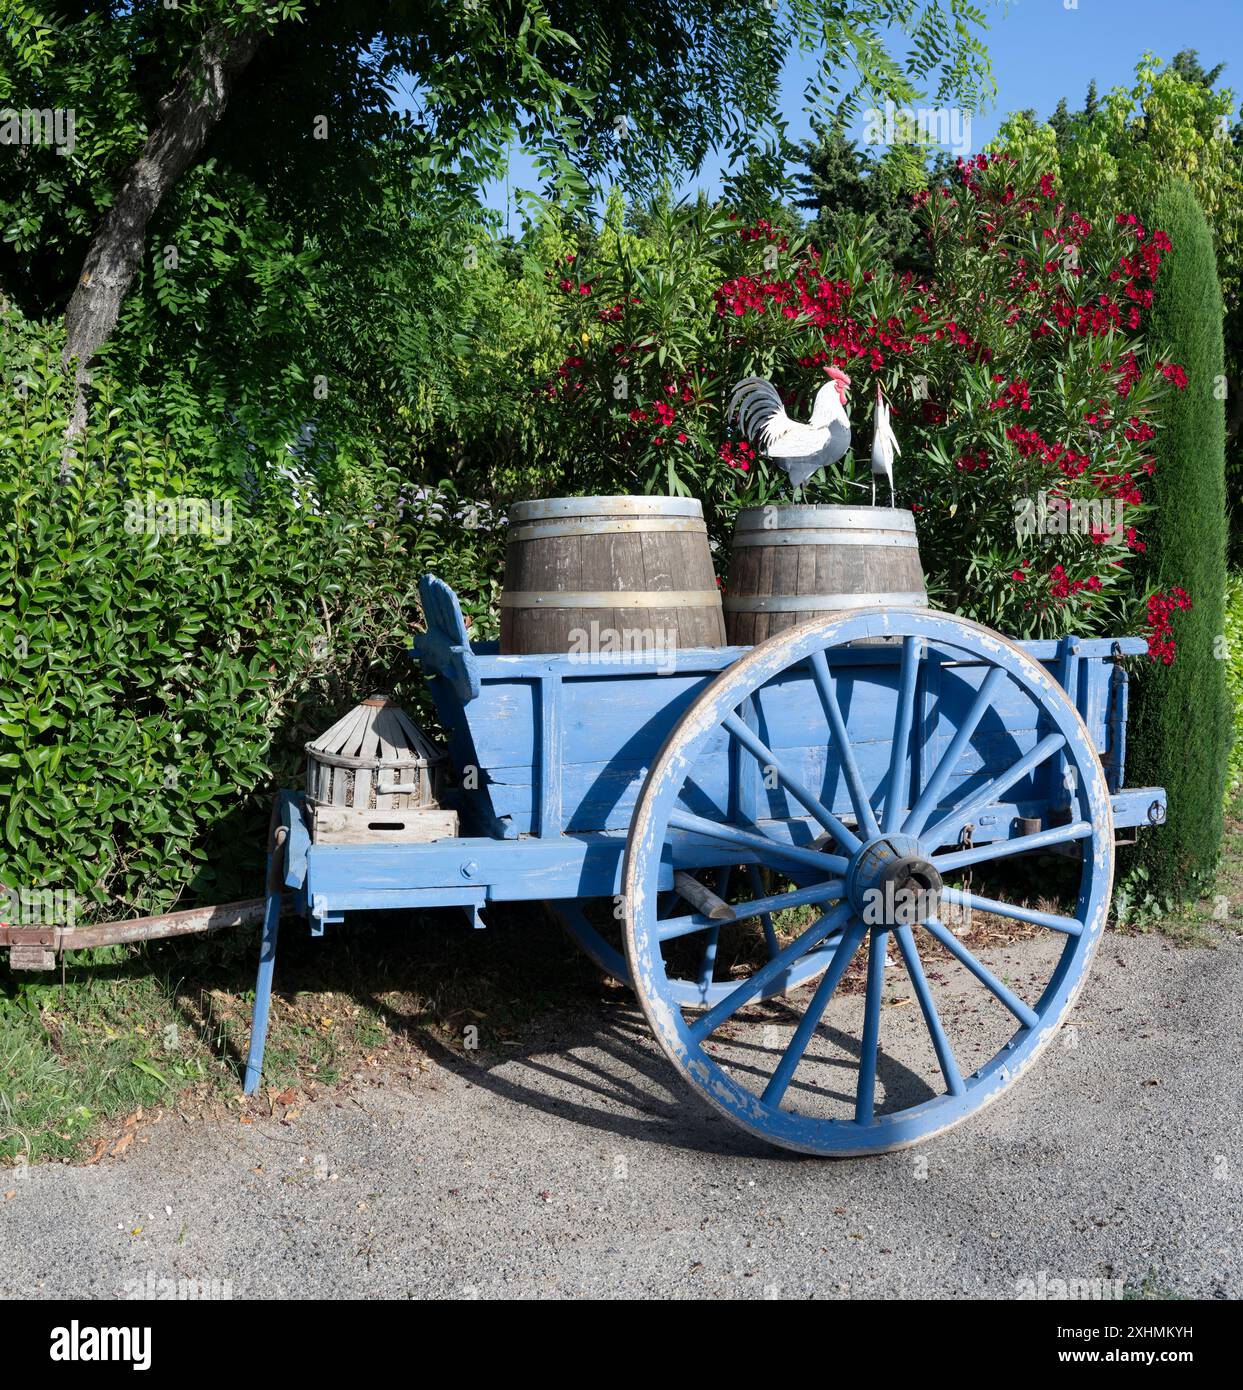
(792, 564)
(638, 568)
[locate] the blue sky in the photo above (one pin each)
(1041, 50)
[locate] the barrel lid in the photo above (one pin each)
(825, 517)
(548, 507)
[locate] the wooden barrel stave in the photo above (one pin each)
(596, 546)
(835, 557)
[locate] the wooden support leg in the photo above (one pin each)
(267, 963)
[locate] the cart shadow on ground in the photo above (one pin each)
(514, 1009)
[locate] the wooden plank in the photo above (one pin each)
(613, 722)
(362, 789)
(548, 808)
(346, 826)
(764, 585)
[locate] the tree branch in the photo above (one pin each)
(190, 113)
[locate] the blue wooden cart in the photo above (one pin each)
(832, 792)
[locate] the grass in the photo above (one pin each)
(137, 1030)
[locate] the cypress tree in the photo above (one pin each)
(1181, 726)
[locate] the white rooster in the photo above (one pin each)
(799, 449)
(884, 445)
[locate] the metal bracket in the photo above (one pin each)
(31, 948)
(319, 914)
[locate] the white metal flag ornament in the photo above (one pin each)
(800, 449)
(884, 445)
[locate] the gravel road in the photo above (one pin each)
(578, 1166)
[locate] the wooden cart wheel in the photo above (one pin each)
(790, 1073)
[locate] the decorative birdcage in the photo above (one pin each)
(374, 776)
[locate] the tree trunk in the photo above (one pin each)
(190, 113)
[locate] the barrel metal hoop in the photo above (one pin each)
(541, 530)
(626, 598)
(797, 603)
(776, 519)
(896, 539)
(597, 507)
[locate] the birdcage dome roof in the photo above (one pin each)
(377, 729)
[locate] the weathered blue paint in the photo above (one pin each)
(798, 742)
(1056, 729)
(611, 714)
(267, 957)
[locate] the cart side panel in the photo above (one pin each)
(570, 752)
(549, 743)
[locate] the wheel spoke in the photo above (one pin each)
(810, 1021)
(765, 756)
(766, 918)
(760, 844)
(1021, 844)
(828, 891)
(949, 825)
(763, 977)
(945, 1053)
(707, 962)
(865, 1095)
(1053, 920)
(931, 794)
(908, 681)
(845, 752)
(1025, 1015)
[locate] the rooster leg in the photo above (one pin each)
(891, 501)
(873, 489)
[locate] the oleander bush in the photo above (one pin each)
(1025, 382)
(1172, 121)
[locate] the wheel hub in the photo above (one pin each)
(891, 882)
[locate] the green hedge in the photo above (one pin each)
(1234, 682)
(158, 682)
(1181, 722)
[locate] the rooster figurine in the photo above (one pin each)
(800, 449)
(884, 445)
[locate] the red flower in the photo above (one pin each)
(1014, 394)
(1171, 371)
(1160, 631)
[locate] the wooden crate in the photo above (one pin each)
(343, 825)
